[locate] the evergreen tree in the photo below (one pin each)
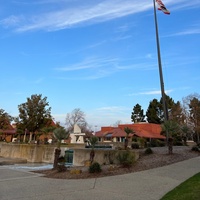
(195, 116)
(33, 114)
(5, 119)
(169, 104)
(172, 132)
(176, 113)
(137, 114)
(154, 112)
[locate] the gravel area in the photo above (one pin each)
(159, 158)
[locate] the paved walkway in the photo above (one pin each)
(10, 161)
(146, 185)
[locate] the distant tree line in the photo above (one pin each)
(35, 117)
(183, 117)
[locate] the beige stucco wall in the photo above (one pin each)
(102, 156)
(33, 153)
(45, 153)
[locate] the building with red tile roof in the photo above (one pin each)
(142, 130)
(7, 134)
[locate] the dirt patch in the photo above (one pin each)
(159, 158)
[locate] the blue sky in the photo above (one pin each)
(99, 56)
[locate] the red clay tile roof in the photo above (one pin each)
(13, 131)
(146, 130)
(113, 131)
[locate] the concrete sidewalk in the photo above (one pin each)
(145, 185)
(11, 161)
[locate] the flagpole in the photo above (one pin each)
(160, 69)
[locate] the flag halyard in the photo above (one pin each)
(162, 7)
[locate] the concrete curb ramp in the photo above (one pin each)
(145, 185)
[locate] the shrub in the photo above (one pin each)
(126, 158)
(134, 139)
(135, 145)
(61, 168)
(95, 168)
(61, 159)
(61, 164)
(178, 143)
(142, 142)
(148, 151)
(157, 143)
(195, 148)
(161, 143)
(154, 143)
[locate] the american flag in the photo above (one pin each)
(162, 7)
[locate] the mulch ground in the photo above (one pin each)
(159, 158)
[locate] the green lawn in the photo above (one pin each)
(188, 190)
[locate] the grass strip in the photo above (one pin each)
(188, 190)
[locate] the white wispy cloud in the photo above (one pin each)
(112, 109)
(87, 12)
(191, 31)
(109, 115)
(12, 21)
(155, 92)
(39, 2)
(149, 56)
(183, 4)
(96, 68)
(91, 69)
(124, 28)
(39, 80)
(152, 92)
(124, 37)
(71, 16)
(89, 63)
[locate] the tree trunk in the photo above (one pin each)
(197, 137)
(30, 138)
(92, 154)
(56, 158)
(24, 140)
(170, 145)
(126, 143)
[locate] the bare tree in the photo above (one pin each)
(76, 117)
(191, 105)
(117, 123)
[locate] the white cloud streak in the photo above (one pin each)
(96, 68)
(72, 16)
(113, 109)
(90, 63)
(152, 92)
(191, 31)
(87, 12)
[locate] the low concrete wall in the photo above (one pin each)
(102, 156)
(32, 153)
(191, 143)
(45, 153)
